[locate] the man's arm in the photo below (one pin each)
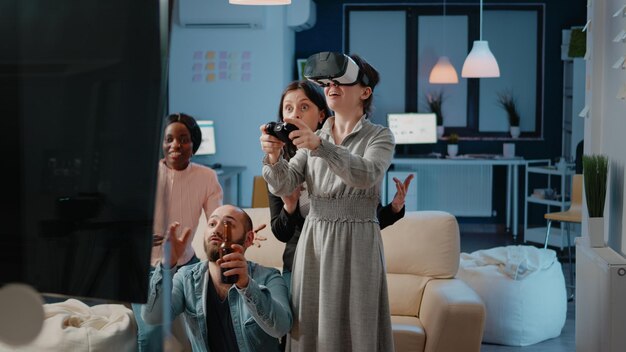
(268, 302)
(152, 311)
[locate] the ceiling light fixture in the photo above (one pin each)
(480, 62)
(443, 72)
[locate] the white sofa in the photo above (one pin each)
(431, 310)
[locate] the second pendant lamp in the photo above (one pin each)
(480, 62)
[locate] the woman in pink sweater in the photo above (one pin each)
(184, 189)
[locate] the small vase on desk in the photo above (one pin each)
(514, 131)
(596, 232)
(453, 149)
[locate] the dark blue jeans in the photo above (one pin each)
(150, 337)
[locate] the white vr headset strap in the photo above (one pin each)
(351, 75)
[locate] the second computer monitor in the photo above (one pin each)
(207, 147)
(413, 128)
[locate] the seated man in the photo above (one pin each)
(249, 315)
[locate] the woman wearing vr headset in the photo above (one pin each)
(339, 289)
(305, 101)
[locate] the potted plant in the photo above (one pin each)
(453, 144)
(435, 101)
(595, 169)
(508, 103)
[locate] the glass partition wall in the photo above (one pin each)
(421, 34)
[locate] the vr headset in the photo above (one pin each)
(326, 68)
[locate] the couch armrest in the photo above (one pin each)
(453, 316)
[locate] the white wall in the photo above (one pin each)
(237, 107)
(605, 128)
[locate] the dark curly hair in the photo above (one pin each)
(192, 126)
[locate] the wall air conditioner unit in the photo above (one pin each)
(301, 15)
(219, 14)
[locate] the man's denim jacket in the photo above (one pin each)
(260, 313)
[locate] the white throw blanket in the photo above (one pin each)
(74, 326)
(517, 262)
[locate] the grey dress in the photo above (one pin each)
(339, 287)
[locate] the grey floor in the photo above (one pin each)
(483, 239)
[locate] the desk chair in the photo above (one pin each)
(572, 215)
(260, 199)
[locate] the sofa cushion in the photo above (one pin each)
(424, 243)
(405, 293)
(408, 334)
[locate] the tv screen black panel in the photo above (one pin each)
(82, 101)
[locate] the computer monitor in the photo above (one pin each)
(413, 128)
(207, 147)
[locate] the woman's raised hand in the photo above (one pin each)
(270, 145)
(401, 189)
(304, 137)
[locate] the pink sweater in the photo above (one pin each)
(181, 196)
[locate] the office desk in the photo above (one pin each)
(232, 190)
(512, 183)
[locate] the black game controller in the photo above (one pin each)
(280, 130)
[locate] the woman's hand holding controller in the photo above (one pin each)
(303, 137)
(270, 145)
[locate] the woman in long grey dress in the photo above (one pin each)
(339, 289)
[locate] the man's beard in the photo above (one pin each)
(213, 251)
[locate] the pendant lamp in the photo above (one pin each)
(480, 62)
(260, 2)
(443, 72)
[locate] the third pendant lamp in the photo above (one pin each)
(443, 72)
(480, 62)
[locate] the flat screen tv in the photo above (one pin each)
(82, 86)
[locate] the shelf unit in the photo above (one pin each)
(573, 99)
(564, 178)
